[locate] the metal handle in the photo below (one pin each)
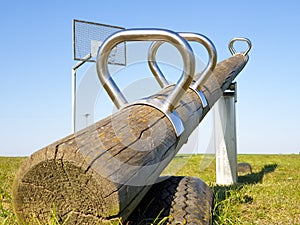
(232, 49)
(209, 46)
(146, 35)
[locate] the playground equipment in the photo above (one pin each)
(100, 174)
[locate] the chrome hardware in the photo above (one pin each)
(232, 49)
(204, 74)
(172, 116)
(167, 107)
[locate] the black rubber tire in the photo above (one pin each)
(177, 200)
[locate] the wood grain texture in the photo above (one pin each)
(99, 174)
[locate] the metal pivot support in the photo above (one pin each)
(226, 151)
(232, 49)
(168, 105)
(231, 91)
(209, 46)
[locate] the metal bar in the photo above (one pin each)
(86, 58)
(146, 35)
(212, 53)
(159, 76)
(73, 100)
(209, 46)
(98, 24)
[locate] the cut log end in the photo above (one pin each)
(64, 190)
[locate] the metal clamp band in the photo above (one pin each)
(201, 97)
(232, 49)
(148, 35)
(173, 117)
(209, 46)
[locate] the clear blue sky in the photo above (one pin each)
(36, 61)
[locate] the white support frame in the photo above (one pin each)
(225, 139)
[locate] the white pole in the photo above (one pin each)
(73, 100)
(85, 59)
(225, 140)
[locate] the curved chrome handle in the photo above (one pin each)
(146, 35)
(209, 46)
(233, 51)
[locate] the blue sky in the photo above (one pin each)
(36, 61)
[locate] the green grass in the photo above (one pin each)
(8, 167)
(270, 195)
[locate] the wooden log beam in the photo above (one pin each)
(99, 174)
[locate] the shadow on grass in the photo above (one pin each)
(227, 196)
(254, 178)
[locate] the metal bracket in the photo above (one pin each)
(209, 46)
(231, 91)
(168, 106)
(201, 97)
(173, 117)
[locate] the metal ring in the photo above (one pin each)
(232, 49)
(146, 35)
(209, 46)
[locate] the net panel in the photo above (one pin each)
(88, 36)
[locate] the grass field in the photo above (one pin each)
(270, 195)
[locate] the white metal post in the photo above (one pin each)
(85, 59)
(225, 140)
(73, 100)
